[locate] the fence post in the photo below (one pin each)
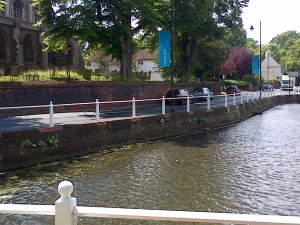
(188, 104)
(133, 107)
(51, 119)
(65, 205)
(241, 98)
(208, 103)
(234, 103)
(97, 110)
(226, 100)
(163, 106)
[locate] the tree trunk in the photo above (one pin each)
(126, 56)
(189, 50)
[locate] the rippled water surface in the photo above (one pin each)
(252, 167)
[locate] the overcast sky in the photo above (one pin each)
(276, 16)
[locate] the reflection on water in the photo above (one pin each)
(252, 167)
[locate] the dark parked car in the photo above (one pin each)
(267, 87)
(202, 93)
(180, 95)
(233, 89)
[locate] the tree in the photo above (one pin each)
(111, 24)
(293, 58)
(238, 64)
(198, 22)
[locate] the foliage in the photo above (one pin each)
(293, 57)
(251, 79)
(238, 64)
(199, 24)
(240, 84)
(2, 4)
(49, 142)
(104, 23)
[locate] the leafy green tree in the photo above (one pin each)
(198, 22)
(293, 57)
(111, 24)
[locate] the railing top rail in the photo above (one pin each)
(24, 107)
(185, 216)
(162, 215)
(27, 209)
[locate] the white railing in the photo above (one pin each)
(51, 107)
(66, 212)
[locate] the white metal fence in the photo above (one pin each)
(243, 97)
(66, 212)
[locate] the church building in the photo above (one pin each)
(21, 42)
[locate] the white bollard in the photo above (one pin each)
(65, 205)
(252, 96)
(226, 100)
(188, 104)
(97, 110)
(51, 116)
(133, 108)
(247, 97)
(163, 106)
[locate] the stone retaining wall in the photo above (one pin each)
(24, 148)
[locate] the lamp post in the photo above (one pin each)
(252, 28)
(172, 56)
(69, 48)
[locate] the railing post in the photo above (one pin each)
(241, 98)
(234, 99)
(133, 107)
(226, 100)
(163, 106)
(51, 116)
(97, 110)
(188, 104)
(208, 102)
(65, 205)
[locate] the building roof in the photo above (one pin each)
(145, 54)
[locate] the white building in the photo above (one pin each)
(142, 62)
(146, 62)
(270, 68)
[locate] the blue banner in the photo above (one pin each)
(255, 64)
(164, 48)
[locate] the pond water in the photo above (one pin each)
(252, 167)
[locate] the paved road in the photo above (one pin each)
(18, 123)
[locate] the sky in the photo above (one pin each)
(276, 16)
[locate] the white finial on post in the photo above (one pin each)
(65, 189)
(65, 205)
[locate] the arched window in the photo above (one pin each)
(28, 49)
(17, 9)
(3, 48)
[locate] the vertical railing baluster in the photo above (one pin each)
(188, 104)
(51, 116)
(163, 106)
(133, 108)
(97, 110)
